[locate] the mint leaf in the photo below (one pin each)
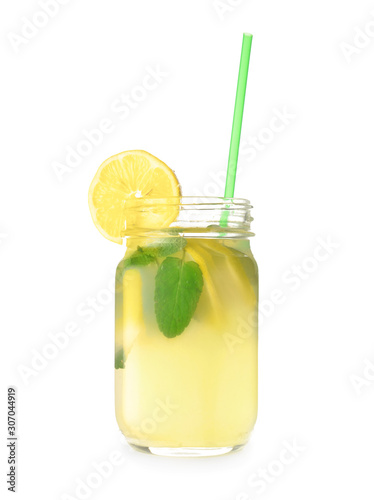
(119, 361)
(141, 257)
(177, 291)
(147, 255)
(168, 246)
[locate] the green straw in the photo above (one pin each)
(237, 120)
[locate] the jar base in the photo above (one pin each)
(186, 452)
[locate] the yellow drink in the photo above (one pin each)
(195, 393)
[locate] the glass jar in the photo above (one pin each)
(186, 327)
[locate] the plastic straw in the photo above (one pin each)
(238, 116)
(237, 122)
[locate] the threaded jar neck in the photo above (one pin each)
(198, 217)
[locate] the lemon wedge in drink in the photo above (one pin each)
(123, 179)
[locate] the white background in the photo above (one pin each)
(312, 180)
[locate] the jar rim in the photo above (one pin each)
(188, 215)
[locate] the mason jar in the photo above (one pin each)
(186, 327)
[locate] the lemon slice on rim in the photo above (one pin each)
(122, 180)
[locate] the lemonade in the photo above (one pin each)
(197, 389)
(186, 310)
